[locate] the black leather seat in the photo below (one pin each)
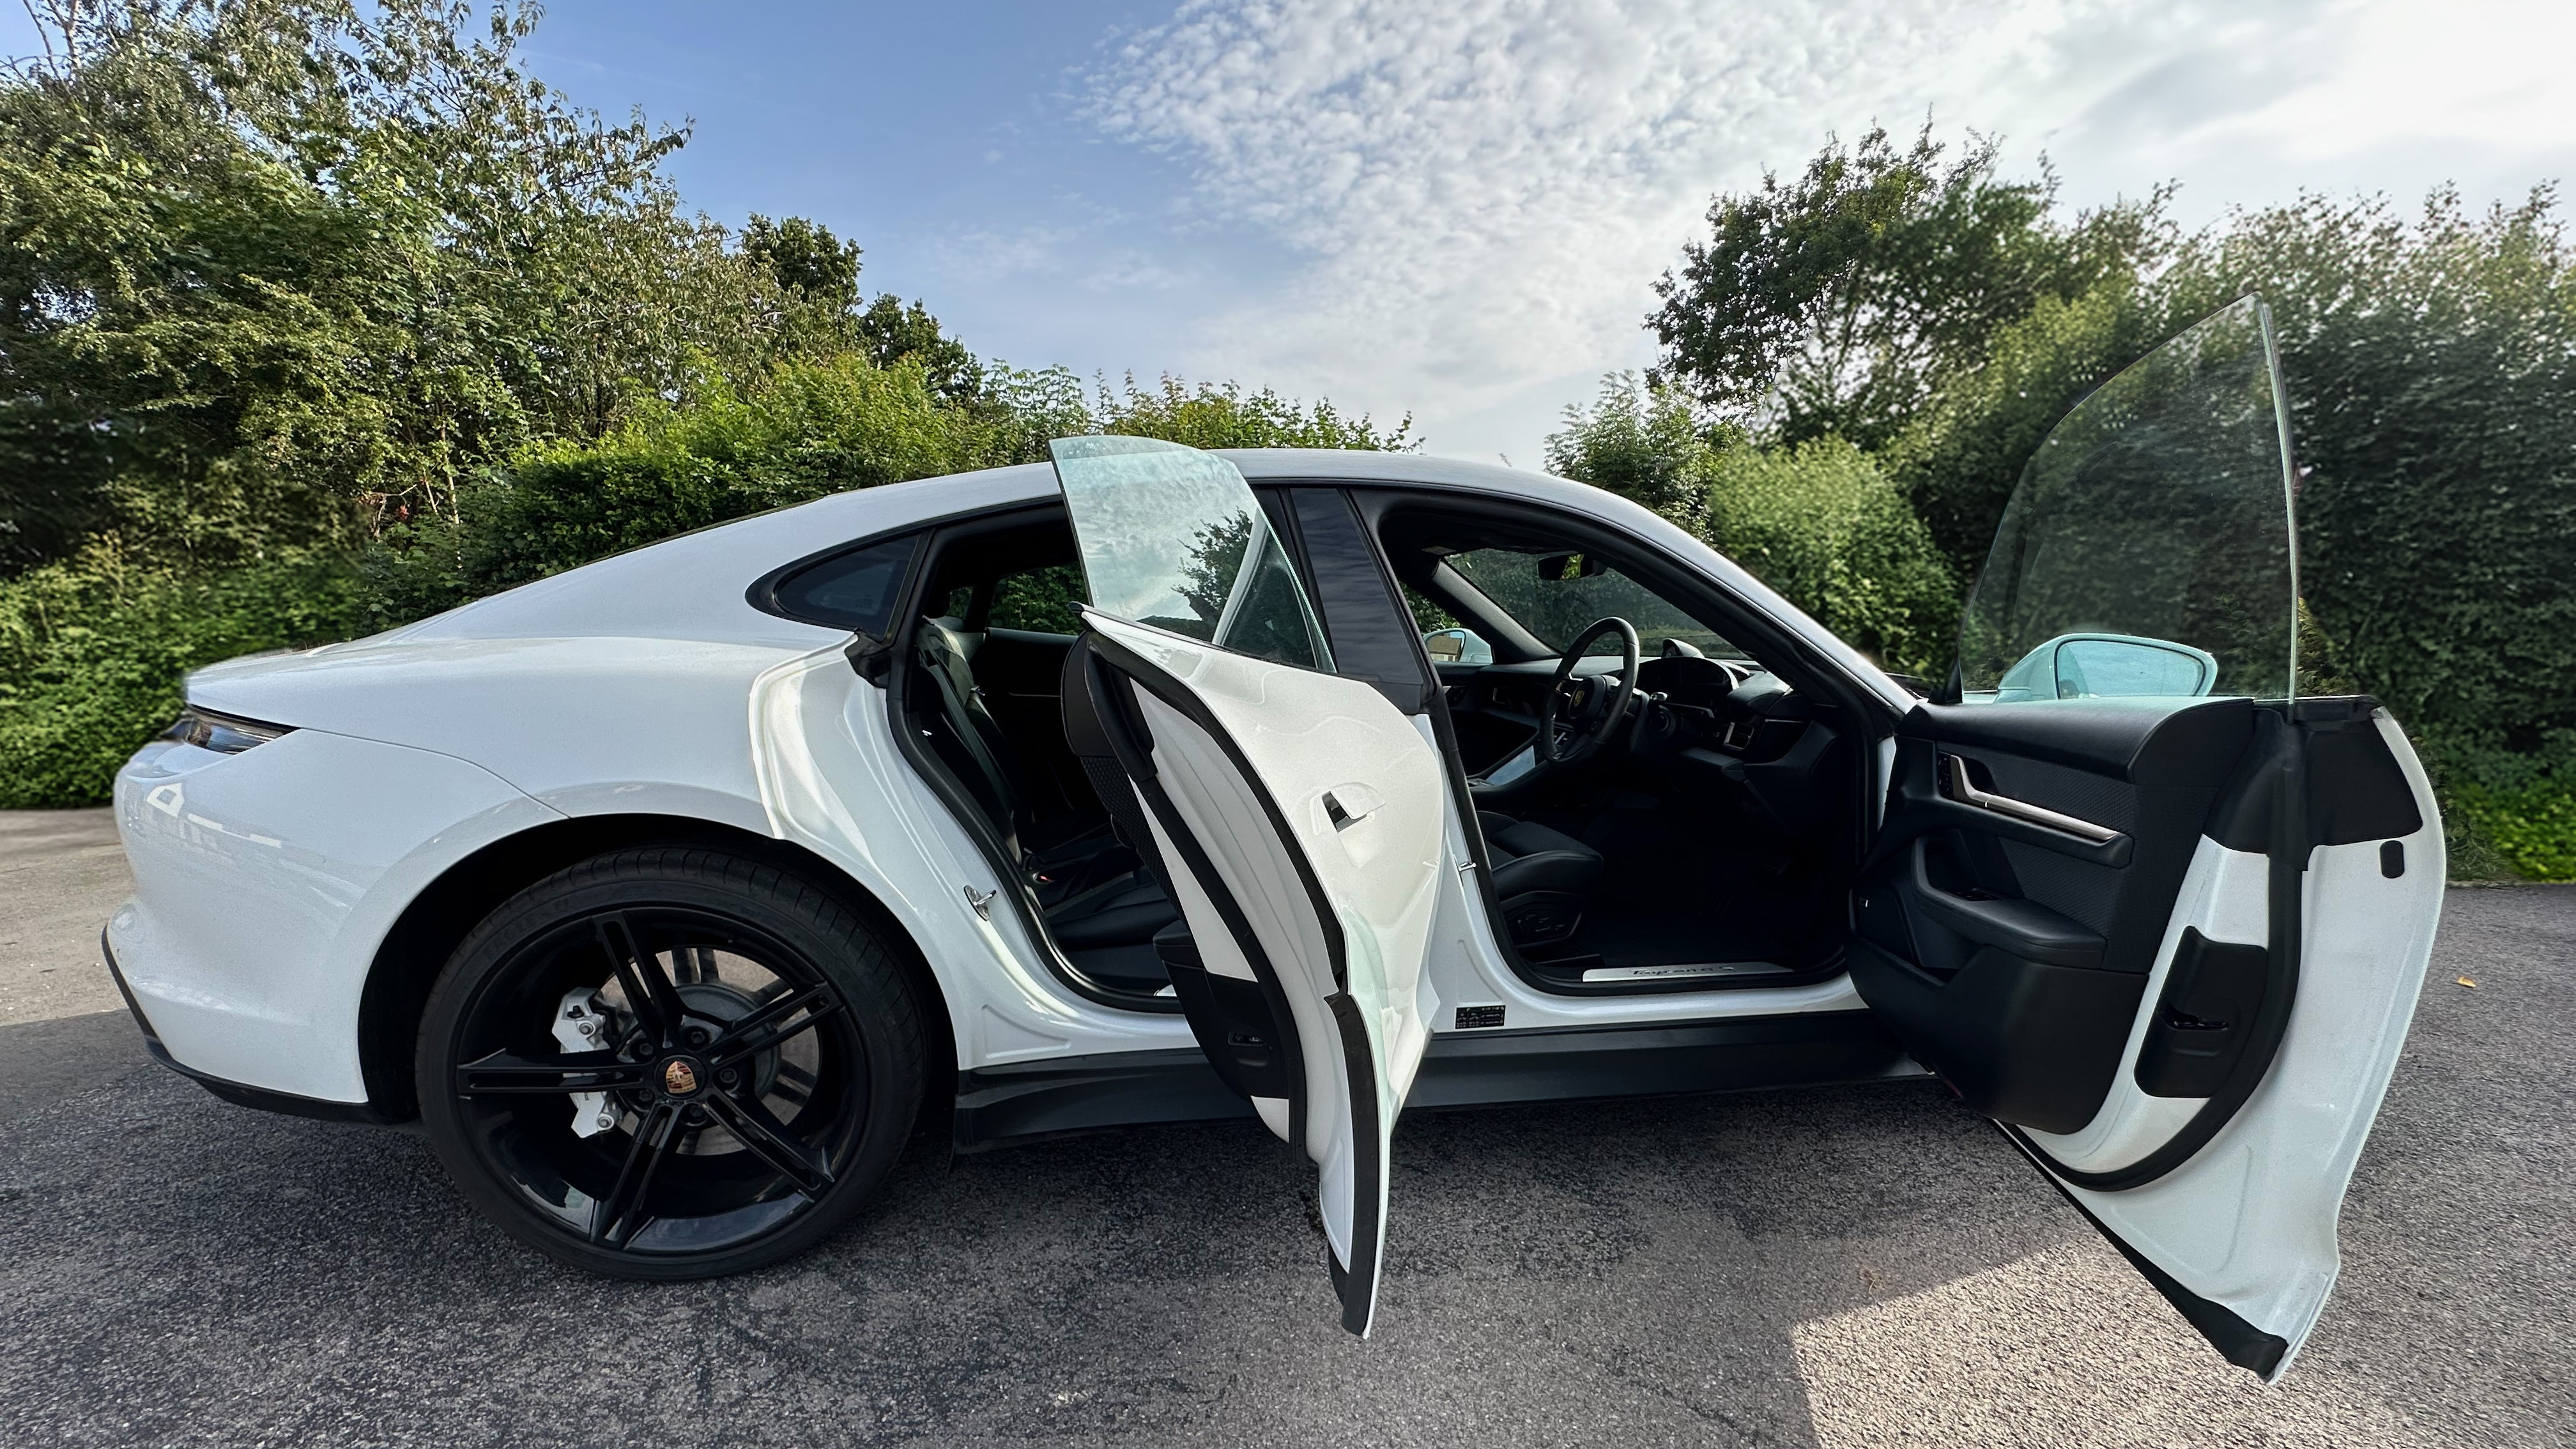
(1101, 902)
(1544, 878)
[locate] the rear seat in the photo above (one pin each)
(1102, 898)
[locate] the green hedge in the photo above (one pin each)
(91, 654)
(90, 662)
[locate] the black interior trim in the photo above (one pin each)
(2018, 1040)
(969, 816)
(1783, 653)
(2203, 1020)
(2025, 928)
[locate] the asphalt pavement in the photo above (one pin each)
(1857, 1266)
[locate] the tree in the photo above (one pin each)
(289, 269)
(889, 331)
(1834, 304)
(1640, 441)
(1819, 521)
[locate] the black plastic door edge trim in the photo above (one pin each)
(1357, 1283)
(1123, 730)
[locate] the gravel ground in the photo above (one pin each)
(1859, 1266)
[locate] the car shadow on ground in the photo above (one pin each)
(1857, 1265)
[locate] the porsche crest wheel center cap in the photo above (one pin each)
(680, 1077)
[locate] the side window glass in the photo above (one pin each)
(1172, 537)
(1553, 595)
(2147, 551)
(1042, 600)
(855, 590)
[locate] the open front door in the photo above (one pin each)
(2134, 898)
(1297, 816)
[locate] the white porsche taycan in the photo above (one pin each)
(1161, 785)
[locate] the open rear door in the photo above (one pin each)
(2134, 897)
(1298, 816)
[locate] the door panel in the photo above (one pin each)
(1301, 815)
(2160, 918)
(1304, 815)
(2012, 955)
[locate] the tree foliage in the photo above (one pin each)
(1835, 303)
(295, 267)
(318, 316)
(1819, 521)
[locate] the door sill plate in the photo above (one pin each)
(1683, 973)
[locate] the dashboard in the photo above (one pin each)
(1701, 724)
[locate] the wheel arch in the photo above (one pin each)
(429, 929)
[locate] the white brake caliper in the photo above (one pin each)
(583, 1025)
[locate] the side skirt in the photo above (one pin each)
(1029, 1101)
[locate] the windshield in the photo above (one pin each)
(1172, 537)
(1553, 595)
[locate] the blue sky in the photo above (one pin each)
(1457, 207)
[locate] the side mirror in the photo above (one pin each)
(2105, 666)
(1457, 646)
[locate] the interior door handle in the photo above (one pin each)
(1955, 771)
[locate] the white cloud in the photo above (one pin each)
(1479, 192)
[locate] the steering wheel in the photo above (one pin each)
(1588, 710)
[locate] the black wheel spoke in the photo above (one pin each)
(624, 1203)
(505, 1072)
(771, 1023)
(649, 992)
(765, 1135)
(794, 1084)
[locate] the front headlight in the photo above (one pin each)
(225, 734)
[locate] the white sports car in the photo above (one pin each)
(667, 892)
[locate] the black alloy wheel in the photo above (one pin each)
(670, 1063)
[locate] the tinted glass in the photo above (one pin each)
(1554, 608)
(2159, 510)
(854, 590)
(1171, 537)
(1041, 599)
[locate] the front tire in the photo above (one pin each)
(670, 1063)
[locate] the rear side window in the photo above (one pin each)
(856, 590)
(1042, 600)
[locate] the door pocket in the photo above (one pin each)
(2020, 1041)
